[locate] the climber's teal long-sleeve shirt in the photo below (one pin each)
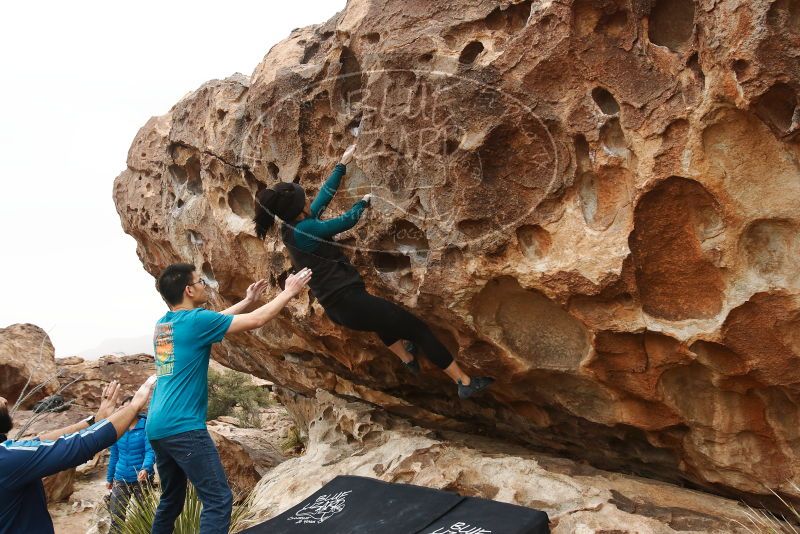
(310, 230)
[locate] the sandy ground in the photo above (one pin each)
(76, 516)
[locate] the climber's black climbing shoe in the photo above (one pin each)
(413, 365)
(476, 385)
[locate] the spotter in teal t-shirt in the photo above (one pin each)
(183, 342)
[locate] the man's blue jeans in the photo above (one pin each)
(191, 455)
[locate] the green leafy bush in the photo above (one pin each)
(233, 393)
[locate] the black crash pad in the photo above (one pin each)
(358, 505)
(482, 516)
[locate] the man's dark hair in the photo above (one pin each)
(5, 422)
(173, 281)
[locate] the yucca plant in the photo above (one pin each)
(294, 442)
(766, 522)
(142, 511)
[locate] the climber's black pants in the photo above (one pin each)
(358, 310)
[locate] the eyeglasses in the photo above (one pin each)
(201, 281)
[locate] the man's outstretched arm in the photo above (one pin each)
(108, 401)
(261, 316)
(32, 459)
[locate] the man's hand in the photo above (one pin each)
(108, 401)
(142, 395)
(296, 282)
(142, 475)
(348, 154)
(367, 198)
(255, 290)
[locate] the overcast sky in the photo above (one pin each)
(78, 81)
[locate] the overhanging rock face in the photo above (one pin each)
(595, 202)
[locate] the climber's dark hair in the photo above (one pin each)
(285, 201)
(173, 280)
(5, 422)
(265, 212)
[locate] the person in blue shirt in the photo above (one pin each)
(176, 422)
(130, 465)
(23, 463)
(337, 284)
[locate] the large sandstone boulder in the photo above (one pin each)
(249, 453)
(27, 357)
(594, 201)
(348, 437)
(88, 378)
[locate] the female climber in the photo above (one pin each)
(336, 283)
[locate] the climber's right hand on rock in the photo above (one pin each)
(367, 198)
(348, 154)
(296, 282)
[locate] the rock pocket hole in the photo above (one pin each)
(273, 170)
(512, 19)
(605, 101)
(349, 80)
(777, 106)
(389, 262)
(676, 280)
(470, 52)
(188, 175)
(372, 37)
(582, 158)
(241, 202)
(530, 325)
(671, 23)
(694, 64)
(612, 138)
(534, 241)
(602, 195)
(771, 246)
(309, 53)
(408, 238)
(741, 68)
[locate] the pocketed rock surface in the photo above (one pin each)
(594, 201)
(27, 364)
(353, 438)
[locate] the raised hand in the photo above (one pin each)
(108, 400)
(296, 282)
(255, 290)
(348, 154)
(142, 395)
(368, 199)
